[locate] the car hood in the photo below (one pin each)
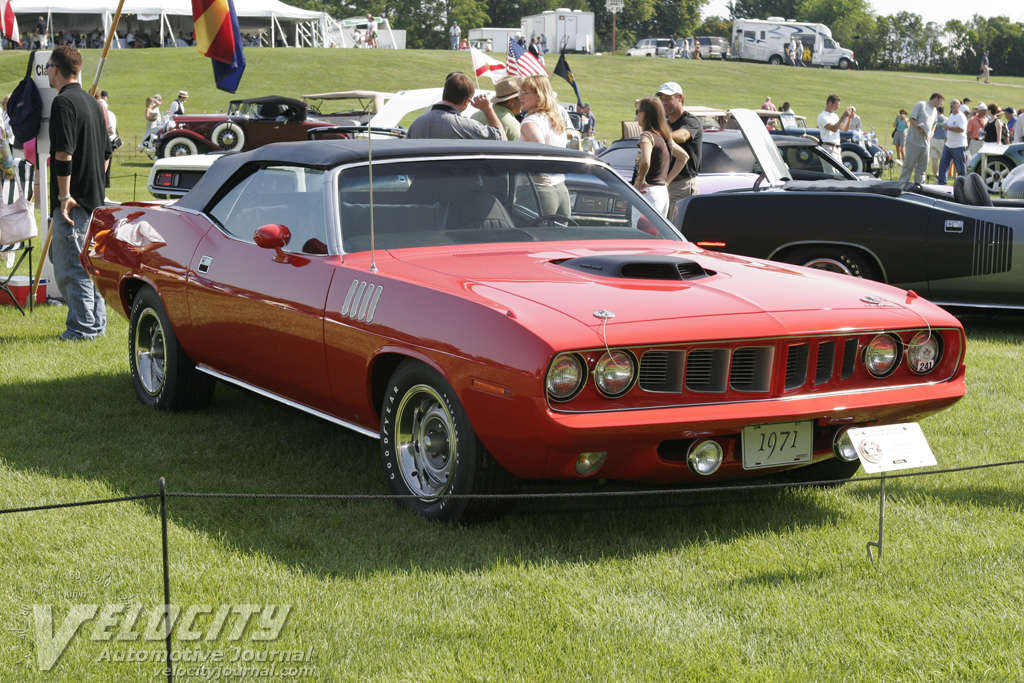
(579, 281)
(760, 140)
(405, 102)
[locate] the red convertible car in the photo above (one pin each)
(433, 299)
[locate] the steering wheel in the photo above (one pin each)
(551, 218)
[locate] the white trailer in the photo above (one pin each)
(571, 29)
(498, 37)
(767, 41)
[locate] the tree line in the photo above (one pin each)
(895, 42)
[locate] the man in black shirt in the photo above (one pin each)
(79, 152)
(688, 132)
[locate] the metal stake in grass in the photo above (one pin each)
(881, 521)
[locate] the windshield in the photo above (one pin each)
(477, 201)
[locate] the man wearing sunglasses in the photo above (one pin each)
(79, 153)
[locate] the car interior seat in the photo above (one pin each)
(959, 196)
(477, 211)
(975, 191)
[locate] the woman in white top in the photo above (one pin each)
(544, 124)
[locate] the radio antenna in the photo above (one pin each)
(369, 157)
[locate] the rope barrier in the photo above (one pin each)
(518, 496)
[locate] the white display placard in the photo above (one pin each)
(887, 448)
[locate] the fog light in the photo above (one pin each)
(588, 463)
(842, 446)
(704, 457)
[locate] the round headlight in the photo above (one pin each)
(704, 457)
(923, 352)
(881, 355)
(565, 378)
(614, 373)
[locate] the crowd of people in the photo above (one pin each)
(948, 142)
(526, 109)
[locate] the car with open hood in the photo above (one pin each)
(963, 249)
(423, 294)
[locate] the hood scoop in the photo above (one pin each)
(638, 267)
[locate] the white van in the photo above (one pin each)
(767, 41)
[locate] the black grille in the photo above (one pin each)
(826, 361)
(750, 370)
(796, 366)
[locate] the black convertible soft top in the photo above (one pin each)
(327, 154)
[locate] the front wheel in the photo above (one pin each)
(163, 375)
(430, 451)
(179, 147)
(852, 162)
(775, 60)
(843, 260)
(996, 169)
(844, 63)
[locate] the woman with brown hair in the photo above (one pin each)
(654, 168)
(544, 124)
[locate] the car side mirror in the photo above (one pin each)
(274, 236)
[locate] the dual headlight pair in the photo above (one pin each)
(614, 375)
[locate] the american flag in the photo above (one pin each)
(523, 63)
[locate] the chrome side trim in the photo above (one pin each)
(288, 402)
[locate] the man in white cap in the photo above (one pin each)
(178, 105)
(688, 133)
(506, 105)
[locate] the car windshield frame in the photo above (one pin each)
(424, 202)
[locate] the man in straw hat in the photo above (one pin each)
(178, 105)
(506, 105)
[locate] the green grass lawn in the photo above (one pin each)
(769, 585)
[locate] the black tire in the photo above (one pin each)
(835, 259)
(775, 60)
(429, 450)
(852, 162)
(162, 373)
(834, 471)
(844, 63)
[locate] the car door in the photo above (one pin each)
(975, 255)
(258, 313)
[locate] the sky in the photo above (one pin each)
(939, 11)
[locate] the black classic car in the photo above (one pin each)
(961, 250)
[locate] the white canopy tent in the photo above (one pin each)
(272, 21)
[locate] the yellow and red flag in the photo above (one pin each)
(218, 37)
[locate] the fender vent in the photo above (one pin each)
(639, 267)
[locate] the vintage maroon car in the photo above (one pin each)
(248, 124)
(435, 305)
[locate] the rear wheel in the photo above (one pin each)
(430, 451)
(162, 373)
(844, 260)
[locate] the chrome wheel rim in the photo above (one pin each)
(996, 171)
(150, 352)
(425, 442)
(831, 265)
